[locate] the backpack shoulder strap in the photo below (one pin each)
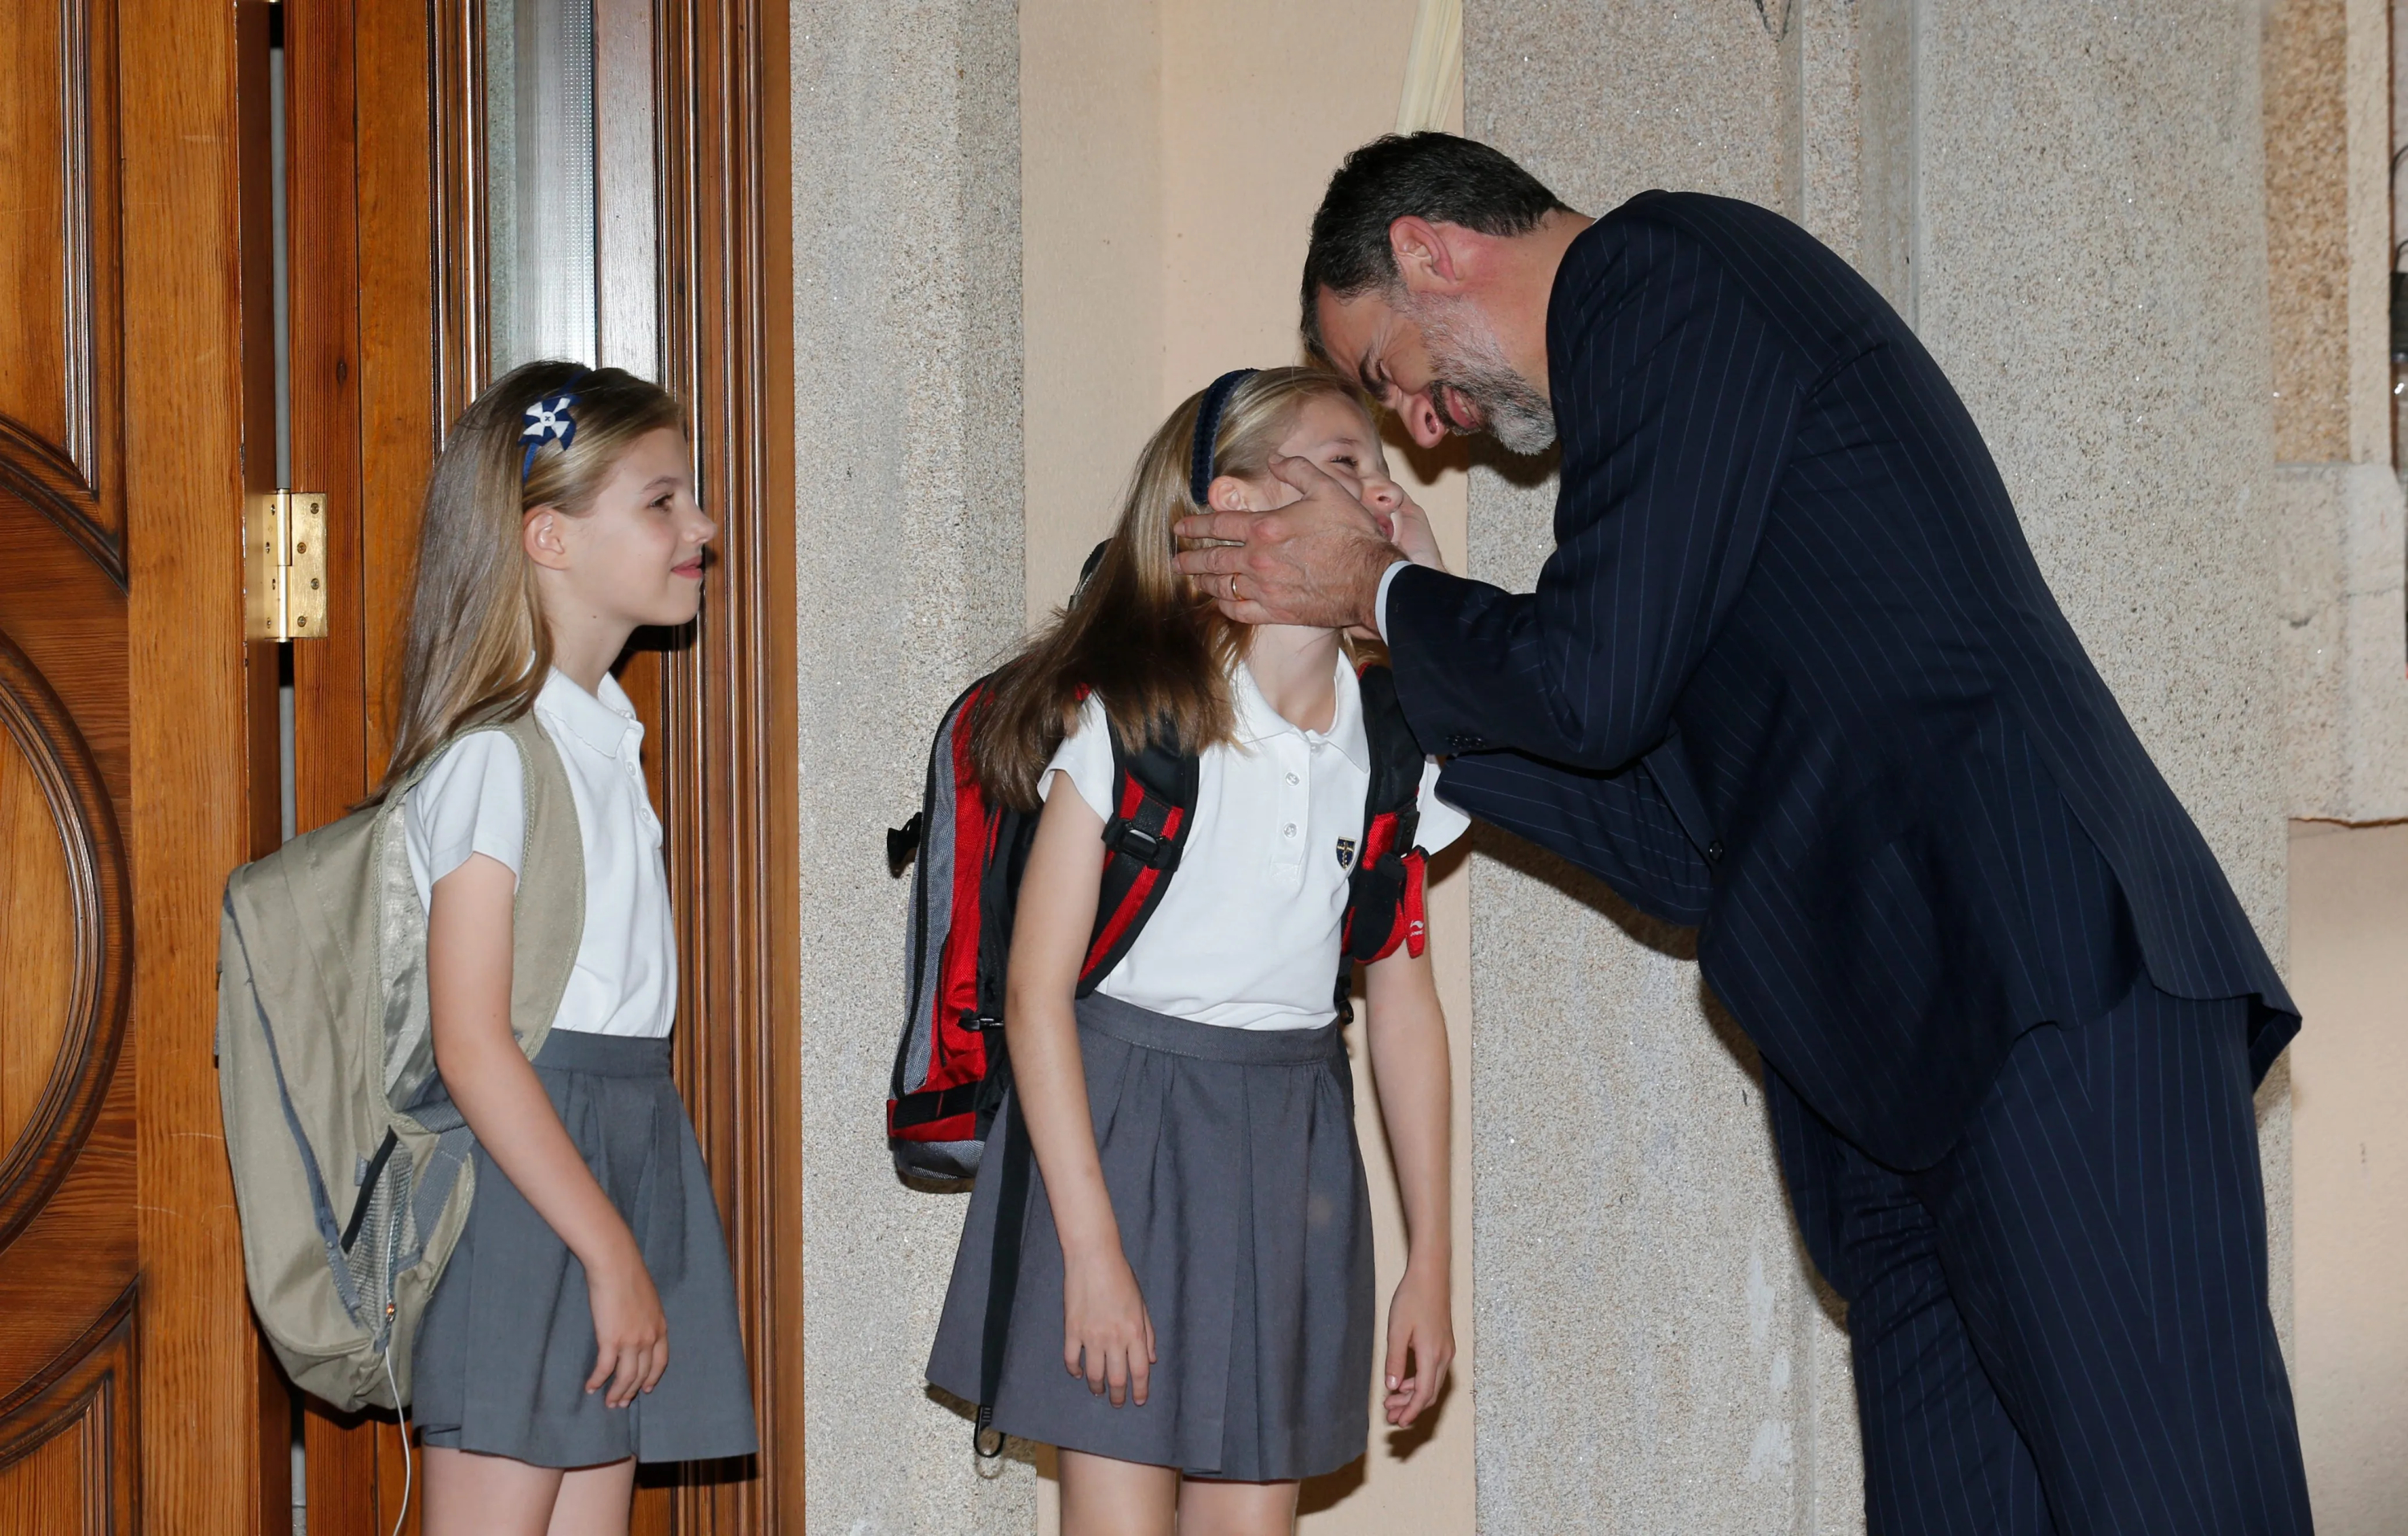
(1156, 787)
(548, 914)
(1384, 905)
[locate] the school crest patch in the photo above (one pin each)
(1346, 852)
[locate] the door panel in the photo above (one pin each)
(122, 670)
(67, 1450)
(57, 251)
(391, 335)
(69, 1237)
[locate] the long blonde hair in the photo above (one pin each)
(477, 650)
(1146, 639)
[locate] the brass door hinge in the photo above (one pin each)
(284, 566)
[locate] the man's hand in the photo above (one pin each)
(1316, 561)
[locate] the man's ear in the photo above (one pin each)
(1427, 261)
(1228, 494)
(539, 536)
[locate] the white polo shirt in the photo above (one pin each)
(473, 800)
(1247, 936)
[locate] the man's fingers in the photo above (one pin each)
(1308, 477)
(1222, 560)
(1233, 526)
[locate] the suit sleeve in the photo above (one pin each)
(1616, 826)
(1676, 404)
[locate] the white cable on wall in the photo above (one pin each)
(1434, 68)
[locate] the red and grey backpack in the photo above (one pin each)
(951, 1068)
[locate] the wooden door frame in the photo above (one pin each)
(387, 343)
(199, 433)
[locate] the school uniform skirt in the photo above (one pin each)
(1229, 1155)
(507, 1339)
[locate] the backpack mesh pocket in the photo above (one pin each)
(380, 1240)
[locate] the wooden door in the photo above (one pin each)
(385, 169)
(136, 763)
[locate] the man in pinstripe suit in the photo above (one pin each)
(1792, 675)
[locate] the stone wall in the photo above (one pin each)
(2329, 134)
(2071, 212)
(907, 485)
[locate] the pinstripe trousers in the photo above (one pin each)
(2060, 1328)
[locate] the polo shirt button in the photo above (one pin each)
(1294, 780)
(1288, 831)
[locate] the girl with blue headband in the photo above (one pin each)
(1190, 1306)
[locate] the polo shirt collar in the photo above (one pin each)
(604, 721)
(1258, 721)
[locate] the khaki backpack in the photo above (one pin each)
(353, 1189)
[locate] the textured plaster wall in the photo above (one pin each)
(2349, 902)
(908, 479)
(1654, 1355)
(2341, 625)
(2072, 215)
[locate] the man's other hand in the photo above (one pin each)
(1315, 561)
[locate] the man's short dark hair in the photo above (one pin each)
(1437, 176)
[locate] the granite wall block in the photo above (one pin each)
(907, 485)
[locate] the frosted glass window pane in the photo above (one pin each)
(540, 180)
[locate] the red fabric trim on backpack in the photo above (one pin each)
(1132, 798)
(1378, 839)
(953, 1127)
(955, 1055)
(1416, 902)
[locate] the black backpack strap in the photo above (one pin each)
(1155, 789)
(1383, 903)
(1003, 1277)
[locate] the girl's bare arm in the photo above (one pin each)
(1107, 1337)
(469, 989)
(1408, 1065)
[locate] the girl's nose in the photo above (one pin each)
(1382, 493)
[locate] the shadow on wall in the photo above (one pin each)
(1672, 942)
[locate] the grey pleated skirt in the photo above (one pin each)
(507, 1339)
(1230, 1158)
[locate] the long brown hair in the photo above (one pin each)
(477, 648)
(1143, 638)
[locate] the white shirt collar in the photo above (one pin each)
(1258, 721)
(604, 720)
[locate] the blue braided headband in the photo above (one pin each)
(548, 419)
(1208, 428)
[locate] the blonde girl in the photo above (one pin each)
(587, 1320)
(1192, 1321)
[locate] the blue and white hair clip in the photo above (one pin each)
(548, 419)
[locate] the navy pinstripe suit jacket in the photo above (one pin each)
(1787, 570)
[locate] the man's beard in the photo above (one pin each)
(1470, 362)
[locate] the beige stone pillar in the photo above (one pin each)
(2070, 212)
(907, 485)
(2330, 136)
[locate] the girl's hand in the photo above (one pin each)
(1408, 528)
(1421, 1324)
(1107, 1334)
(631, 1334)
